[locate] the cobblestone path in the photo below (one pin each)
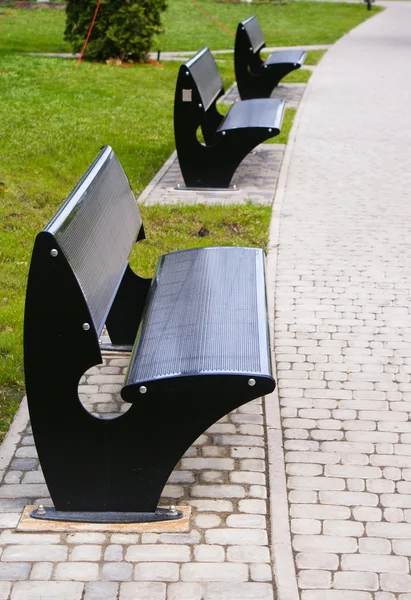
(343, 319)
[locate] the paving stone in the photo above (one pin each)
(356, 581)
(9, 537)
(77, 571)
(117, 572)
(143, 591)
(158, 553)
(314, 579)
(218, 491)
(101, 590)
(395, 582)
(368, 545)
(86, 552)
(374, 563)
(192, 537)
(247, 521)
(253, 506)
(12, 505)
(209, 553)
(212, 505)
(47, 590)
(13, 477)
(34, 553)
(14, 571)
(156, 571)
(185, 591)
(205, 572)
(4, 590)
(113, 553)
(15, 491)
(86, 538)
(317, 560)
(42, 571)
(248, 554)
(236, 537)
(8, 520)
(241, 452)
(333, 544)
(207, 521)
(125, 538)
(226, 464)
(241, 591)
(261, 572)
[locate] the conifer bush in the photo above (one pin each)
(124, 29)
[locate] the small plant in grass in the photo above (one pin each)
(123, 30)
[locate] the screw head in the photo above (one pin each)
(173, 509)
(86, 326)
(251, 382)
(41, 510)
(54, 253)
(142, 389)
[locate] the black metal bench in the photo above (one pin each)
(201, 349)
(227, 140)
(257, 78)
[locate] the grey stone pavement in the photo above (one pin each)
(313, 503)
(342, 347)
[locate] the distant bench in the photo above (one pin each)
(201, 349)
(227, 140)
(257, 78)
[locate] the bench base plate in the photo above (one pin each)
(184, 188)
(51, 514)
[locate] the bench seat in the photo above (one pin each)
(205, 315)
(286, 57)
(258, 113)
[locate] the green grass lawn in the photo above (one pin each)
(188, 28)
(54, 119)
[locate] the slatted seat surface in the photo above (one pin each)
(285, 57)
(260, 112)
(206, 314)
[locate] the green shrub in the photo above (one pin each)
(124, 29)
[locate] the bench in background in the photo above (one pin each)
(202, 350)
(227, 140)
(257, 78)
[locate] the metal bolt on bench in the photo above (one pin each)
(200, 349)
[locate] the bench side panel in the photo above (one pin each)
(100, 214)
(206, 314)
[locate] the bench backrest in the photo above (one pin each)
(95, 229)
(206, 76)
(255, 35)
